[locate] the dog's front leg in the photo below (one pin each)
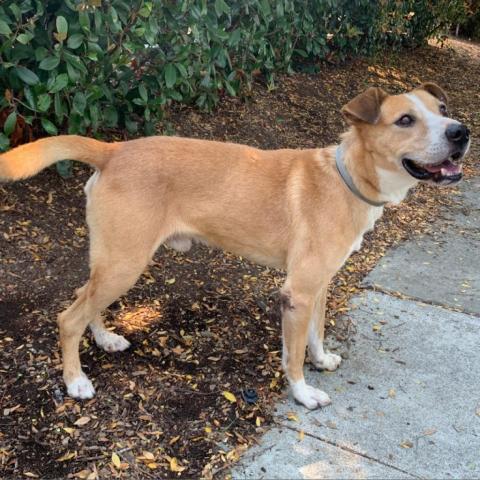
(297, 308)
(322, 359)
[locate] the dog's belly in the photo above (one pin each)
(254, 253)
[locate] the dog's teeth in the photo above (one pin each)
(447, 173)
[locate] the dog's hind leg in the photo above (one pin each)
(124, 236)
(107, 282)
(108, 341)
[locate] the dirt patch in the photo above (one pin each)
(202, 323)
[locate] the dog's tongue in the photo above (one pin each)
(446, 168)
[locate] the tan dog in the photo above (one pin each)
(291, 209)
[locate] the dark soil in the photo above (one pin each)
(201, 323)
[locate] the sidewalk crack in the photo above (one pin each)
(351, 450)
(403, 296)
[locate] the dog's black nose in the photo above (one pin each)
(457, 133)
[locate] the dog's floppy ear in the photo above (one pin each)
(435, 90)
(365, 107)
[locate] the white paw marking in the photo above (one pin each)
(309, 396)
(81, 387)
(322, 359)
(328, 361)
(110, 342)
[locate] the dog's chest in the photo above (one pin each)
(372, 216)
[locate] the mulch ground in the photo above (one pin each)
(204, 326)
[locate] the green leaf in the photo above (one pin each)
(58, 106)
(62, 25)
(43, 102)
(75, 61)
(72, 73)
(49, 63)
(29, 97)
(170, 75)
(176, 95)
(230, 89)
(84, 20)
(27, 75)
(16, 11)
(64, 168)
(234, 37)
(79, 102)
(110, 116)
(94, 116)
(4, 142)
(49, 127)
(149, 128)
(221, 7)
(144, 12)
(4, 28)
(131, 125)
(206, 81)
(40, 53)
(181, 68)
(265, 8)
(24, 38)
(143, 92)
(10, 122)
(60, 83)
(75, 40)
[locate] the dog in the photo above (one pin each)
(301, 210)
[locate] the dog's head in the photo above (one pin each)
(411, 134)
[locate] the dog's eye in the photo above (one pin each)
(405, 121)
(443, 109)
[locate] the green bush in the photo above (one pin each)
(469, 20)
(95, 66)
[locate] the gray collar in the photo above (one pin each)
(348, 180)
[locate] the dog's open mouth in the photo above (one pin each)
(442, 172)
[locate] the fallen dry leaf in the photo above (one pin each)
(67, 456)
(83, 474)
(148, 455)
(82, 421)
(229, 396)
(174, 466)
(116, 460)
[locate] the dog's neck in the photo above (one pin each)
(375, 183)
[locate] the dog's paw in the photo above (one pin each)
(327, 361)
(81, 388)
(309, 396)
(111, 342)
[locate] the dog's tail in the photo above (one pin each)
(27, 160)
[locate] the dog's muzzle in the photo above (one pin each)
(449, 170)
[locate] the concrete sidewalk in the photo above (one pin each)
(406, 402)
